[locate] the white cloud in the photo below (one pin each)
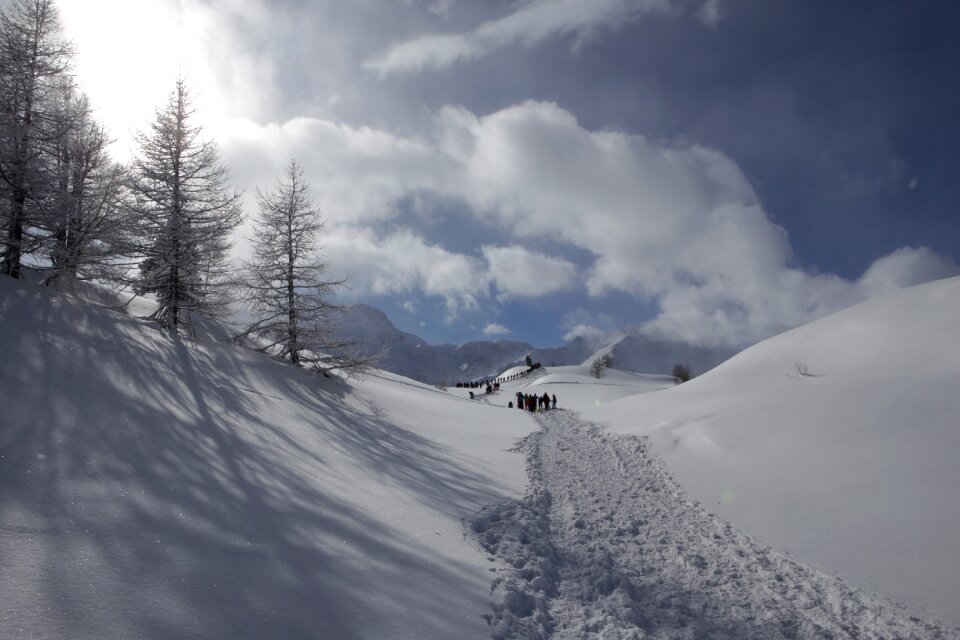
(402, 263)
(587, 324)
(494, 329)
(357, 173)
(905, 267)
(675, 224)
(521, 273)
(582, 331)
(531, 23)
(709, 13)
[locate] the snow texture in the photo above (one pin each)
(852, 467)
(607, 546)
(153, 488)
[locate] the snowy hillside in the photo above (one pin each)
(632, 350)
(836, 441)
(157, 488)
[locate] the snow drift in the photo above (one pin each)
(836, 441)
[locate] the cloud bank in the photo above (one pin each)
(674, 223)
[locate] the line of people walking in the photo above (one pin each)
(533, 402)
(478, 384)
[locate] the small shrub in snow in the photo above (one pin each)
(681, 371)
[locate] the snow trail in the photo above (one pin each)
(606, 546)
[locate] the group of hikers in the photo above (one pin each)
(525, 401)
(477, 384)
(533, 402)
(489, 388)
(514, 376)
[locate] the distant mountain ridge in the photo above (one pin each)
(411, 356)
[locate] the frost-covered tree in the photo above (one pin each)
(599, 364)
(87, 223)
(187, 213)
(34, 66)
(286, 281)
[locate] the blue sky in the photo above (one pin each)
(718, 170)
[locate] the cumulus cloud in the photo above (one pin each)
(357, 173)
(519, 272)
(403, 262)
(532, 22)
(494, 329)
(905, 267)
(583, 323)
(673, 224)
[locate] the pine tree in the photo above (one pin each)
(285, 280)
(34, 66)
(187, 214)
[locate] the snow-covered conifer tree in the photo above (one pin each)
(34, 66)
(288, 292)
(187, 213)
(87, 222)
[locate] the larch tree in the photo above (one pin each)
(89, 226)
(286, 284)
(187, 214)
(35, 63)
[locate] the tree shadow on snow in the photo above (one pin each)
(158, 489)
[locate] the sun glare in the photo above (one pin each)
(129, 53)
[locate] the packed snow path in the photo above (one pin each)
(606, 545)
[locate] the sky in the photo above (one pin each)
(714, 170)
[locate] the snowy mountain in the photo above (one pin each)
(408, 355)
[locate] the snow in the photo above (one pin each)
(607, 545)
(576, 388)
(513, 371)
(154, 488)
(158, 488)
(852, 467)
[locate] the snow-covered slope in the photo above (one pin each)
(633, 350)
(157, 488)
(154, 488)
(837, 441)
